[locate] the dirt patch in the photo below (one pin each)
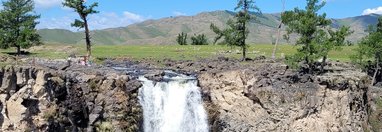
(63, 49)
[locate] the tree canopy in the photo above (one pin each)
(316, 36)
(182, 38)
(18, 25)
(237, 31)
(199, 39)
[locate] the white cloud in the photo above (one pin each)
(377, 10)
(47, 3)
(57, 23)
(132, 17)
(96, 21)
(177, 13)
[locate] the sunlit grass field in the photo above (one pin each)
(176, 52)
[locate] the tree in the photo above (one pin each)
(278, 32)
(237, 32)
(18, 25)
(369, 51)
(83, 11)
(316, 36)
(332, 40)
(199, 39)
(182, 39)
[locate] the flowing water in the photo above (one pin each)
(172, 106)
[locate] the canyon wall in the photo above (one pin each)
(260, 97)
(43, 99)
(272, 98)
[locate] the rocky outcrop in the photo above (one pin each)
(43, 99)
(375, 109)
(258, 95)
(270, 97)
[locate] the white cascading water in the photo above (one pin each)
(172, 106)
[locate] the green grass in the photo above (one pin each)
(176, 52)
(189, 52)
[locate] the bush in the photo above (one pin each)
(199, 39)
(182, 39)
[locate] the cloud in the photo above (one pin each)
(57, 23)
(47, 3)
(132, 17)
(102, 20)
(177, 13)
(377, 10)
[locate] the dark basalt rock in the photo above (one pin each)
(156, 76)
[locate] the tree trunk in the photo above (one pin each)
(375, 72)
(323, 63)
(277, 41)
(88, 45)
(18, 50)
(244, 48)
(244, 52)
(307, 63)
(278, 34)
(310, 64)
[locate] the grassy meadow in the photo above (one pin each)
(176, 52)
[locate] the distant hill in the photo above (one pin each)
(165, 30)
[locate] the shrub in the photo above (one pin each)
(182, 39)
(199, 39)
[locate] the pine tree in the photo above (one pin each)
(237, 32)
(83, 11)
(316, 37)
(18, 25)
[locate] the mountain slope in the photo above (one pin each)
(165, 30)
(358, 24)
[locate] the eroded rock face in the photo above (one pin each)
(40, 99)
(250, 97)
(271, 98)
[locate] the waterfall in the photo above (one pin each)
(172, 106)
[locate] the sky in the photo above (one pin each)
(119, 13)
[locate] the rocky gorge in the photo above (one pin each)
(44, 99)
(259, 95)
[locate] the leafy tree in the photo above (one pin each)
(182, 39)
(18, 25)
(332, 40)
(199, 39)
(237, 31)
(369, 51)
(316, 37)
(83, 11)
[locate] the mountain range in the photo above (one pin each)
(164, 31)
